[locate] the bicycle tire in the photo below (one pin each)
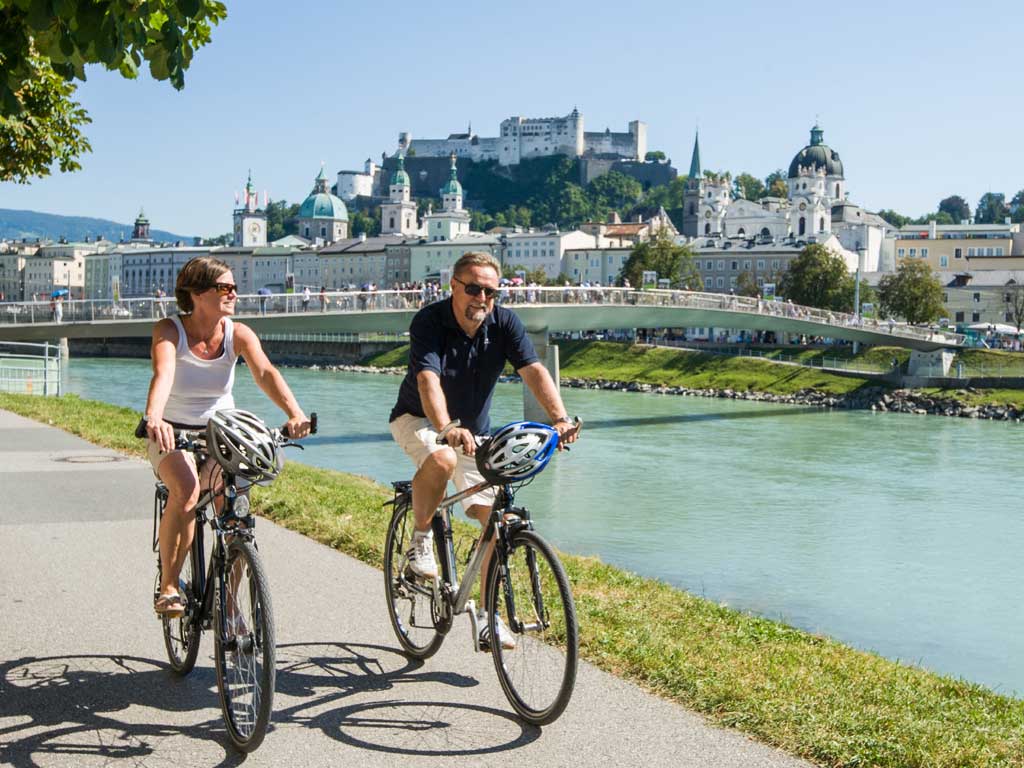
(244, 654)
(539, 674)
(182, 634)
(414, 617)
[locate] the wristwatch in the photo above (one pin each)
(562, 420)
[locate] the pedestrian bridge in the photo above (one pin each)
(542, 310)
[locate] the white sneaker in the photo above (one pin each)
(421, 557)
(508, 642)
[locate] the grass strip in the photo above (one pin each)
(809, 695)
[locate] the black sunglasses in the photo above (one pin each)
(475, 290)
(224, 288)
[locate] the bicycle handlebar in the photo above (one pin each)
(184, 439)
(456, 423)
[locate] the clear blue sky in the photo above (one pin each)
(922, 100)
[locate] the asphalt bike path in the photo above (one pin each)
(84, 679)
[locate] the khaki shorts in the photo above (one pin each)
(155, 456)
(418, 438)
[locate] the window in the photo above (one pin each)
(803, 224)
(959, 317)
(913, 252)
(900, 252)
(970, 252)
(760, 263)
(958, 253)
(924, 253)
(721, 265)
(760, 282)
(977, 297)
(821, 224)
(720, 282)
(999, 251)
(746, 264)
(735, 266)
(775, 263)
(945, 298)
(975, 317)
(943, 261)
(709, 283)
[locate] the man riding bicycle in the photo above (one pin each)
(194, 356)
(458, 349)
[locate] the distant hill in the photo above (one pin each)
(15, 225)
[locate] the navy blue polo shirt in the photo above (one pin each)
(468, 367)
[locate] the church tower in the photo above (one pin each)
(140, 233)
(452, 221)
(693, 193)
(398, 215)
(250, 221)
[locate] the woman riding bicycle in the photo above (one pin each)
(194, 355)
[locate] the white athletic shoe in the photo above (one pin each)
(421, 557)
(508, 642)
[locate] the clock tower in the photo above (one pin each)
(250, 222)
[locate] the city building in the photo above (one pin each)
(966, 247)
(428, 260)
(142, 270)
(524, 137)
(353, 184)
(322, 216)
(452, 221)
(595, 265)
(250, 230)
(816, 207)
(398, 214)
(542, 250)
(358, 261)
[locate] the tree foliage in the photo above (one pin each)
(1015, 304)
(654, 155)
(749, 187)
(913, 292)
(661, 254)
(45, 46)
(280, 219)
(956, 207)
(817, 278)
(1017, 207)
(775, 184)
(613, 192)
(992, 208)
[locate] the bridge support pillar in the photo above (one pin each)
(548, 353)
(929, 365)
(65, 352)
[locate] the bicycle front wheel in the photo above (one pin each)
(244, 652)
(531, 591)
(414, 615)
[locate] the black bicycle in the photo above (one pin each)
(225, 589)
(525, 579)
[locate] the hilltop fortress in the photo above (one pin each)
(528, 137)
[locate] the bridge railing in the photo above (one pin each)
(149, 308)
(30, 368)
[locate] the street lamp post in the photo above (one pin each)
(856, 292)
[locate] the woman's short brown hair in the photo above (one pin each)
(196, 276)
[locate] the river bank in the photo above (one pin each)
(623, 367)
(805, 693)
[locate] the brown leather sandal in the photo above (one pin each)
(169, 606)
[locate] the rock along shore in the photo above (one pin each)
(879, 399)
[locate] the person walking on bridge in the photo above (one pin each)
(458, 348)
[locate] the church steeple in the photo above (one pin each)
(695, 160)
(141, 230)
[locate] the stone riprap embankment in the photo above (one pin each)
(873, 398)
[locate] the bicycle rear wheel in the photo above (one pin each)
(182, 634)
(414, 616)
(244, 652)
(533, 595)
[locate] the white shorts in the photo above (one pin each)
(418, 438)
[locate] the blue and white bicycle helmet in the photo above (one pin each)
(517, 451)
(241, 443)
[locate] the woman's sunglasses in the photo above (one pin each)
(475, 290)
(225, 288)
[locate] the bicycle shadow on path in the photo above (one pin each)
(99, 708)
(322, 675)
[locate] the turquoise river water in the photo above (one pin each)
(896, 534)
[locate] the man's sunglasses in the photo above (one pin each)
(224, 288)
(475, 290)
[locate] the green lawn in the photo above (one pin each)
(805, 693)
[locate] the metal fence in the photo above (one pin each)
(823, 361)
(93, 310)
(30, 369)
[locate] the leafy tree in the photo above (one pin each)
(45, 47)
(280, 219)
(655, 155)
(364, 222)
(897, 220)
(571, 206)
(868, 294)
(668, 196)
(661, 254)
(1015, 303)
(750, 187)
(226, 239)
(746, 284)
(816, 278)
(992, 208)
(775, 184)
(1017, 207)
(956, 207)
(613, 192)
(941, 217)
(913, 292)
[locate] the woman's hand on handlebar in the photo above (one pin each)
(162, 433)
(297, 427)
(462, 438)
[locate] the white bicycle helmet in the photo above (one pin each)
(243, 446)
(517, 451)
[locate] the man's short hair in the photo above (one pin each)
(476, 259)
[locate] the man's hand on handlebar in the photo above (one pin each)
(461, 438)
(568, 432)
(161, 433)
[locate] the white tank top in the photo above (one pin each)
(201, 386)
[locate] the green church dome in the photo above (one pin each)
(323, 205)
(815, 156)
(400, 177)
